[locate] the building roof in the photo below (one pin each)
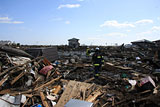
(142, 41)
(156, 41)
(73, 39)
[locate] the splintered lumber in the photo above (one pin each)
(113, 101)
(110, 66)
(72, 90)
(89, 79)
(4, 80)
(124, 68)
(93, 96)
(32, 101)
(23, 92)
(84, 95)
(104, 105)
(48, 74)
(56, 89)
(48, 83)
(46, 62)
(28, 95)
(18, 77)
(89, 89)
(5, 91)
(38, 79)
(25, 102)
(17, 70)
(43, 99)
(16, 66)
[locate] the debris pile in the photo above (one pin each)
(126, 79)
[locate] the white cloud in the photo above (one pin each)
(69, 6)
(4, 18)
(114, 23)
(155, 28)
(144, 21)
(9, 21)
(67, 22)
(158, 18)
(117, 34)
(17, 22)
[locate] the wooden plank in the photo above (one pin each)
(66, 94)
(32, 101)
(113, 101)
(4, 80)
(17, 70)
(5, 91)
(13, 93)
(110, 66)
(46, 62)
(48, 74)
(28, 95)
(35, 82)
(11, 68)
(123, 68)
(93, 96)
(72, 90)
(43, 98)
(25, 102)
(56, 89)
(18, 77)
(90, 79)
(48, 83)
(89, 89)
(84, 95)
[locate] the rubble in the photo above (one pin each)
(127, 78)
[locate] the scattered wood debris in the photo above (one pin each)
(125, 79)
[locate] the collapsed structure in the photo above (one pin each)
(73, 43)
(129, 78)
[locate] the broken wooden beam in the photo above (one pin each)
(18, 77)
(16, 66)
(4, 80)
(110, 66)
(48, 83)
(72, 90)
(25, 102)
(43, 98)
(56, 89)
(93, 96)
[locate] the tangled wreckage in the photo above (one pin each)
(130, 77)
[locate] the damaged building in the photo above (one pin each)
(74, 43)
(144, 43)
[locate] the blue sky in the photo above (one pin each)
(94, 22)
